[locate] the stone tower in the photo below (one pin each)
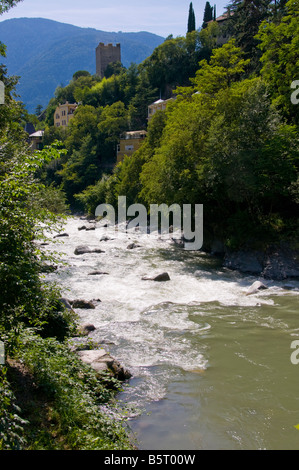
(106, 55)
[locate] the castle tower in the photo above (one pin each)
(106, 55)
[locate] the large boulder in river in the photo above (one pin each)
(61, 235)
(101, 361)
(255, 287)
(79, 303)
(86, 328)
(82, 249)
(158, 278)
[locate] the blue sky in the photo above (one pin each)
(162, 17)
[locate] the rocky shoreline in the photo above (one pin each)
(90, 352)
(277, 262)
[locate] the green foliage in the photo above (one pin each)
(224, 144)
(245, 20)
(173, 62)
(279, 42)
(93, 195)
(191, 19)
(208, 14)
(24, 299)
(226, 66)
(7, 4)
(76, 396)
(12, 435)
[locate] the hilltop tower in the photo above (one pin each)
(106, 55)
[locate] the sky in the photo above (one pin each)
(162, 17)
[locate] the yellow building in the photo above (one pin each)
(129, 142)
(159, 105)
(64, 113)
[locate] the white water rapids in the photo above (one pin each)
(206, 358)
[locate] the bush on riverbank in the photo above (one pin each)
(48, 398)
(51, 400)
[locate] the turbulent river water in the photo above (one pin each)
(211, 366)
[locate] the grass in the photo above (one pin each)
(60, 403)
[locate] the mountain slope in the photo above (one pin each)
(46, 53)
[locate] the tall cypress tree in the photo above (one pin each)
(191, 19)
(208, 14)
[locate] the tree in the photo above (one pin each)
(38, 110)
(226, 66)
(245, 18)
(280, 57)
(191, 19)
(208, 14)
(7, 4)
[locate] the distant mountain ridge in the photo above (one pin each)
(46, 53)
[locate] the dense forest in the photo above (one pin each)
(227, 140)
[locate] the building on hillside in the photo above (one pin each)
(36, 140)
(129, 142)
(222, 20)
(105, 55)
(64, 113)
(159, 105)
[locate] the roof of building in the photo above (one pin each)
(223, 17)
(37, 134)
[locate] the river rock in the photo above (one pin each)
(245, 261)
(84, 227)
(86, 328)
(101, 361)
(66, 303)
(281, 262)
(79, 303)
(82, 249)
(159, 278)
(132, 245)
(178, 242)
(95, 273)
(104, 238)
(48, 268)
(255, 287)
(61, 235)
(277, 262)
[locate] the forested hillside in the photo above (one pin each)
(228, 140)
(46, 54)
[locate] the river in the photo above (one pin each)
(211, 366)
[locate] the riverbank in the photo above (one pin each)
(276, 261)
(206, 357)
